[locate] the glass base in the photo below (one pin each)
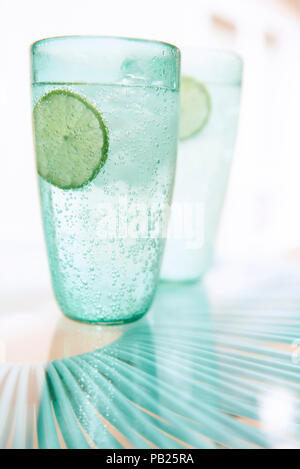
(106, 318)
(107, 322)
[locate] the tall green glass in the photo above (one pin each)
(105, 114)
(210, 102)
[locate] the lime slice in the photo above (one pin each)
(71, 139)
(195, 107)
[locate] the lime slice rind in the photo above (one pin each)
(71, 139)
(195, 107)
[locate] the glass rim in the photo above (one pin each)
(121, 38)
(228, 52)
(214, 65)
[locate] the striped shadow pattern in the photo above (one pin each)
(191, 374)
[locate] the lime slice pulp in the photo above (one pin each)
(71, 139)
(195, 107)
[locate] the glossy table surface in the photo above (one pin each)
(212, 365)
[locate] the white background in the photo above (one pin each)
(261, 216)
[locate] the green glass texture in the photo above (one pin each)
(204, 161)
(133, 86)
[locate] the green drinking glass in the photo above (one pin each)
(210, 102)
(105, 117)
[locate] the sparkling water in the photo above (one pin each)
(100, 273)
(203, 167)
